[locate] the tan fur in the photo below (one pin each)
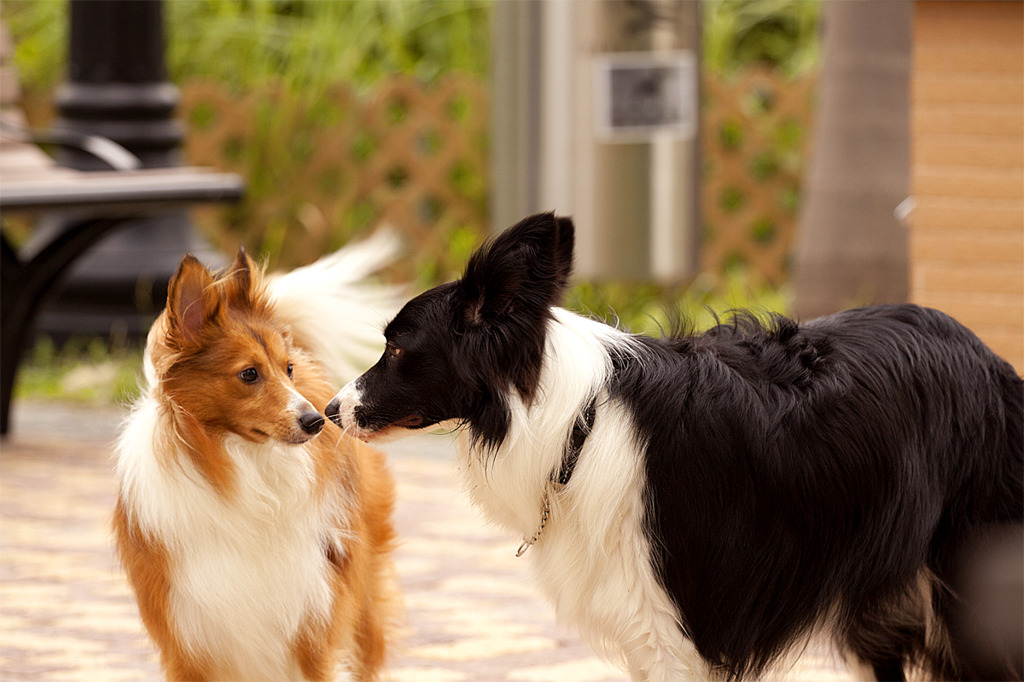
(212, 329)
(148, 569)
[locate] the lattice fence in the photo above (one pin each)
(755, 132)
(320, 172)
(415, 157)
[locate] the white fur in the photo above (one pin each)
(593, 560)
(236, 561)
(337, 314)
(348, 398)
(248, 568)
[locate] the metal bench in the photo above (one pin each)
(97, 202)
(91, 205)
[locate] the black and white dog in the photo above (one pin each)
(699, 505)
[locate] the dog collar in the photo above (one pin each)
(580, 430)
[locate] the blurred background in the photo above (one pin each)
(800, 156)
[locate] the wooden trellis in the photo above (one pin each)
(406, 155)
(754, 137)
(414, 156)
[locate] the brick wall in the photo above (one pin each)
(967, 167)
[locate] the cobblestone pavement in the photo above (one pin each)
(66, 612)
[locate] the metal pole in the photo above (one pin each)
(633, 197)
(117, 83)
(117, 86)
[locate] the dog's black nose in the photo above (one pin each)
(332, 410)
(311, 423)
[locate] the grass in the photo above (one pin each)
(312, 43)
(91, 372)
(305, 44)
(780, 33)
(653, 309)
(83, 370)
(309, 45)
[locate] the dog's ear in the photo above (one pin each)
(527, 266)
(238, 285)
(192, 299)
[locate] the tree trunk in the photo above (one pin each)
(851, 248)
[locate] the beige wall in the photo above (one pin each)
(967, 167)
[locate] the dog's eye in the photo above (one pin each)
(393, 350)
(249, 375)
(291, 368)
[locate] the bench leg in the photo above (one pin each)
(9, 282)
(12, 339)
(25, 286)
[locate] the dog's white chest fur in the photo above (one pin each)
(248, 572)
(249, 597)
(593, 559)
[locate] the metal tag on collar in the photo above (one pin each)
(536, 536)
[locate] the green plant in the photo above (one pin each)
(653, 309)
(84, 369)
(306, 44)
(39, 30)
(779, 33)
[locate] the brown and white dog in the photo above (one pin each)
(256, 536)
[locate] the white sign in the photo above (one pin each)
(640, 95)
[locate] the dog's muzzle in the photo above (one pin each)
(332, 411)
(311, 423)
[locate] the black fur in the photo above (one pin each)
(796, 468)
(824, 473)
(495, 314)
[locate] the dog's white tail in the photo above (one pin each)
(335, 310)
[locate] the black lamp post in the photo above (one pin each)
(117, 87)
(117, 83)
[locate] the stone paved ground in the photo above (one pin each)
(66, 612)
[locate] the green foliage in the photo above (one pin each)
(84, 369)
(779, 33)
(311, 44)
(653, 309)
(90, 371)
(306, 44)
(39, 29)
